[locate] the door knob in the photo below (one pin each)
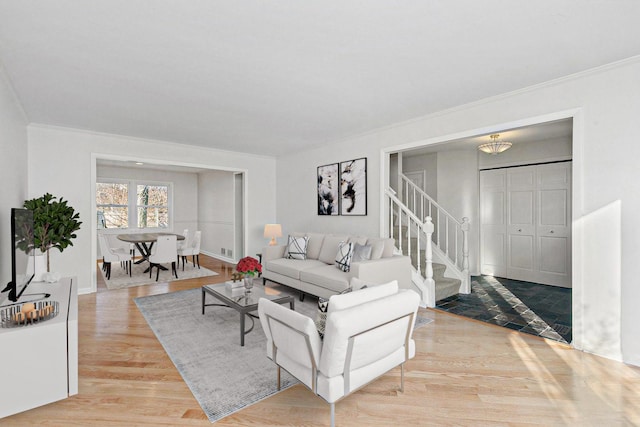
(519, 230)
(551, 232)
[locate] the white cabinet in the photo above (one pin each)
(39, 363)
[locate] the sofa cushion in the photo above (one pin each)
(361, 252)
(327, 276)
(381, 247)
(343, 256)
(362, 240)
(315, 245)
(297, 247)
(330, 247)
(292, 267)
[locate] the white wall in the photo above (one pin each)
(458, 194)
(605, 156)
(13, 169)
(61, 161)
(216, 212)
(427, 163)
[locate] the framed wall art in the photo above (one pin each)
(328, 190)
(353, 187)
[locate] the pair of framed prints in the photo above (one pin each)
(342, 188)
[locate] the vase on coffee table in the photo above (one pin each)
(248, 283)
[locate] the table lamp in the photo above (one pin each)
(272, 231)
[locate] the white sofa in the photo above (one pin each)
(318, 274)
(368, 333)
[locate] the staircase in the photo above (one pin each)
(444, 286)
(437, 245)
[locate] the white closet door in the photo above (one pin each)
(554, 224)
(521, 227)
(525, 215)
(493, 222)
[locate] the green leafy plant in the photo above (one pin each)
(55, 223)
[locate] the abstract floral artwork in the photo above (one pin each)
(353, 187)
(328, 189)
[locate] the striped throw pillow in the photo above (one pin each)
(297, 247)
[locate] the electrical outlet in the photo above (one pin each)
(223, 251)
(229, 253)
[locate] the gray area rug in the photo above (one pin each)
(120, 279)
(222, 376)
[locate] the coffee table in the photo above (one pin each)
(244, 302)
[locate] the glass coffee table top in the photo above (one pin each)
(239, 296)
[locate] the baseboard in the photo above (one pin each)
(220, 257)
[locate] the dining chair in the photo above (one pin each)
(164, 251)
(110, 255)
(184, 243)
(118, 245)
(193, 249)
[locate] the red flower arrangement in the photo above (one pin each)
(249, 266)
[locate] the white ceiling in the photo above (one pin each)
(275, 76)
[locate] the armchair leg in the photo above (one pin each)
(333, 414)
(278, 377)
(402, 378)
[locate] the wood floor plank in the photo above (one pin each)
(465, 373)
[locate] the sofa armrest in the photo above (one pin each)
(272, 252)
(384, 270)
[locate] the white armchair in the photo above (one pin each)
(368, 332)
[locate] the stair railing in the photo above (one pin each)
(449, 235)
(401, 216)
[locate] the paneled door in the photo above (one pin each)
(525, 223)
(521, 224)
(493, 222)
(553, 228)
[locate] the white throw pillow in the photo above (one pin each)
(297, 247)
(344, 255)
(361, 252)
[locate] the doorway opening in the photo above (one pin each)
(452, 171)
(200, 198)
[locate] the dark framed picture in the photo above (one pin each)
(328, 189)
(353, 187)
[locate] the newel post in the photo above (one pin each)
(466, 283)
(428, 265)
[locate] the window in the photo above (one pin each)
(153, 206)
(112, 200)
(132, 204)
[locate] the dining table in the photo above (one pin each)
(144, 243)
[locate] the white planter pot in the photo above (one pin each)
(40, 261)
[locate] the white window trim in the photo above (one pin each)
(132, 195)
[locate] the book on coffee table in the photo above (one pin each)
(234, 285)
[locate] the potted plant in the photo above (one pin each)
(54, 223)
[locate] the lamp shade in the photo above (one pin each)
(272, 231)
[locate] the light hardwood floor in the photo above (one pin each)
(465, 373)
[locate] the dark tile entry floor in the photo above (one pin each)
(523, 306)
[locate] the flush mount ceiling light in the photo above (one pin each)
(495, 146)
